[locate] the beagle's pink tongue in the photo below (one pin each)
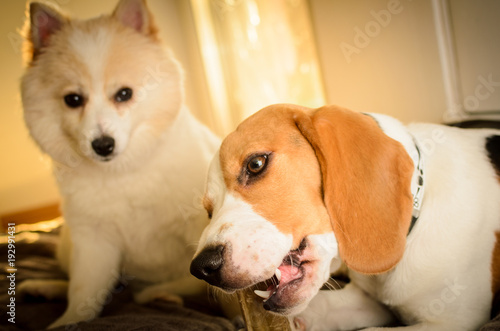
(284, 274)
(288, 273)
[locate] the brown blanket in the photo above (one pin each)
(34, 259)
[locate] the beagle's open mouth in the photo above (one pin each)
(287, 279)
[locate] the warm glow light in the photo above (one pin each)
(253, 12)
(211, 59)
(256, 53)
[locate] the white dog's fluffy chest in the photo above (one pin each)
(150, 213)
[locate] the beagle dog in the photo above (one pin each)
(413, 212)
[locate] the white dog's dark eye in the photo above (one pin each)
(74, 100)
(257, 164)
(124, 94)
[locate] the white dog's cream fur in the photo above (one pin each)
(441, 275)
(131, 210)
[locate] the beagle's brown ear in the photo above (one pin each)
(366, 186)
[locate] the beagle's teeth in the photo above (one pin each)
(263, 294)
(278, 274)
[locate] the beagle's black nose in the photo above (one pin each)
(208, 264)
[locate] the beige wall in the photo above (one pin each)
(25, 175)
(396, 71)
(380, 56)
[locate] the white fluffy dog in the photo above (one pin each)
(105, 100)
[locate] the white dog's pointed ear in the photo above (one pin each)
(43, 22)
(135, 14)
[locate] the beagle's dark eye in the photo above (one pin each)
(254, 168)
(74, 100)
(123, 94)
(257, 164)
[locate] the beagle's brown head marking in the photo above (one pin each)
(323, 169)
(271, 165)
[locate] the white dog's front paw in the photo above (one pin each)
(69, 318)
(59, 322)
(50, 289)
(152, 293)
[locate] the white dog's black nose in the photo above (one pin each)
(103, 146)
(208, 264)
